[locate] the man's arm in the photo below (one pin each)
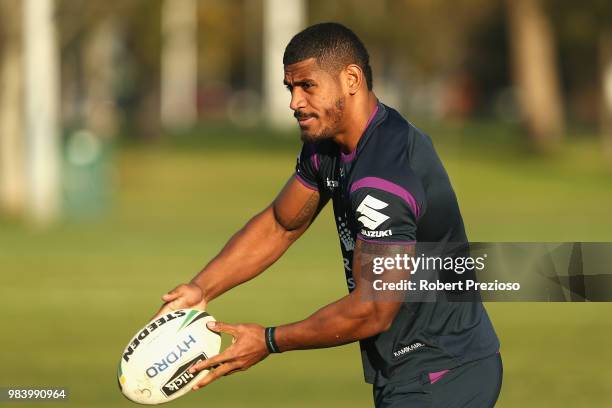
(252, 249)
(363, 313)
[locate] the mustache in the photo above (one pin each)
(302, 115)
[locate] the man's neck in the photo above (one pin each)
(357, 124)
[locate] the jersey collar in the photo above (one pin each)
(375, 118)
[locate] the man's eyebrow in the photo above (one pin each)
(298, 83)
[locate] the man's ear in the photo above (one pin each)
(354, 78)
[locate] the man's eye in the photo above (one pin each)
(289, 87)
(306, 86)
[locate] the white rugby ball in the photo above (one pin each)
(154, 365)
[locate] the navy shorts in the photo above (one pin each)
(476, 384)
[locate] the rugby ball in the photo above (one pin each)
(154, 365)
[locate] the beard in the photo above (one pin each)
(334, 116)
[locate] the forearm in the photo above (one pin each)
(361, 314)
(344, 321)
(249, 252)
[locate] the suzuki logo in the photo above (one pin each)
(370, 218)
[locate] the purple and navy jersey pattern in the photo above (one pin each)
(393, 189)
(379, 199)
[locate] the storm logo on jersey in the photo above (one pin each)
(344, 233)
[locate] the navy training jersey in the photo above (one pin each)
(394, 189)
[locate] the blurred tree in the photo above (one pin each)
(123, 36)
(12, 168)
(535, 71)
(143, 44)
(100, 77)
(418, 48)
(584, 30)
(41, 83)
(605, 46)
(602, 18)
(252, 45)
(282, 20)
(179, 63)
(220, 54)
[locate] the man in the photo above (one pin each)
(389, 190)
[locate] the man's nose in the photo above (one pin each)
(297, 100)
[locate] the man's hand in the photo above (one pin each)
(248, 348)
(184, 296)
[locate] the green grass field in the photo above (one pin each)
(73, 295)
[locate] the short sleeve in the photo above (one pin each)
(307, 167)
(384, 211)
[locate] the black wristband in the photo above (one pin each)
(270, 342)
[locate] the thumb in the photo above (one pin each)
(173, 294)
(219, 327)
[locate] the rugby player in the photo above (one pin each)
(389, 190)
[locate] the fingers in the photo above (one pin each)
(214, 375)
(174, 293)
(167, 308)
(249, 349)
(220, 327)
(182, 296)
(207, 364)
(170, 296)
(221, 358)
(162, 310)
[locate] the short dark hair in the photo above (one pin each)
(333, 45)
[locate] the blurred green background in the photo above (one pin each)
(152, 130)
(75, 293)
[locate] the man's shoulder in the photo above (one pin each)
(387, 139)
(395, 131)
(385, 162)
(397, 134)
